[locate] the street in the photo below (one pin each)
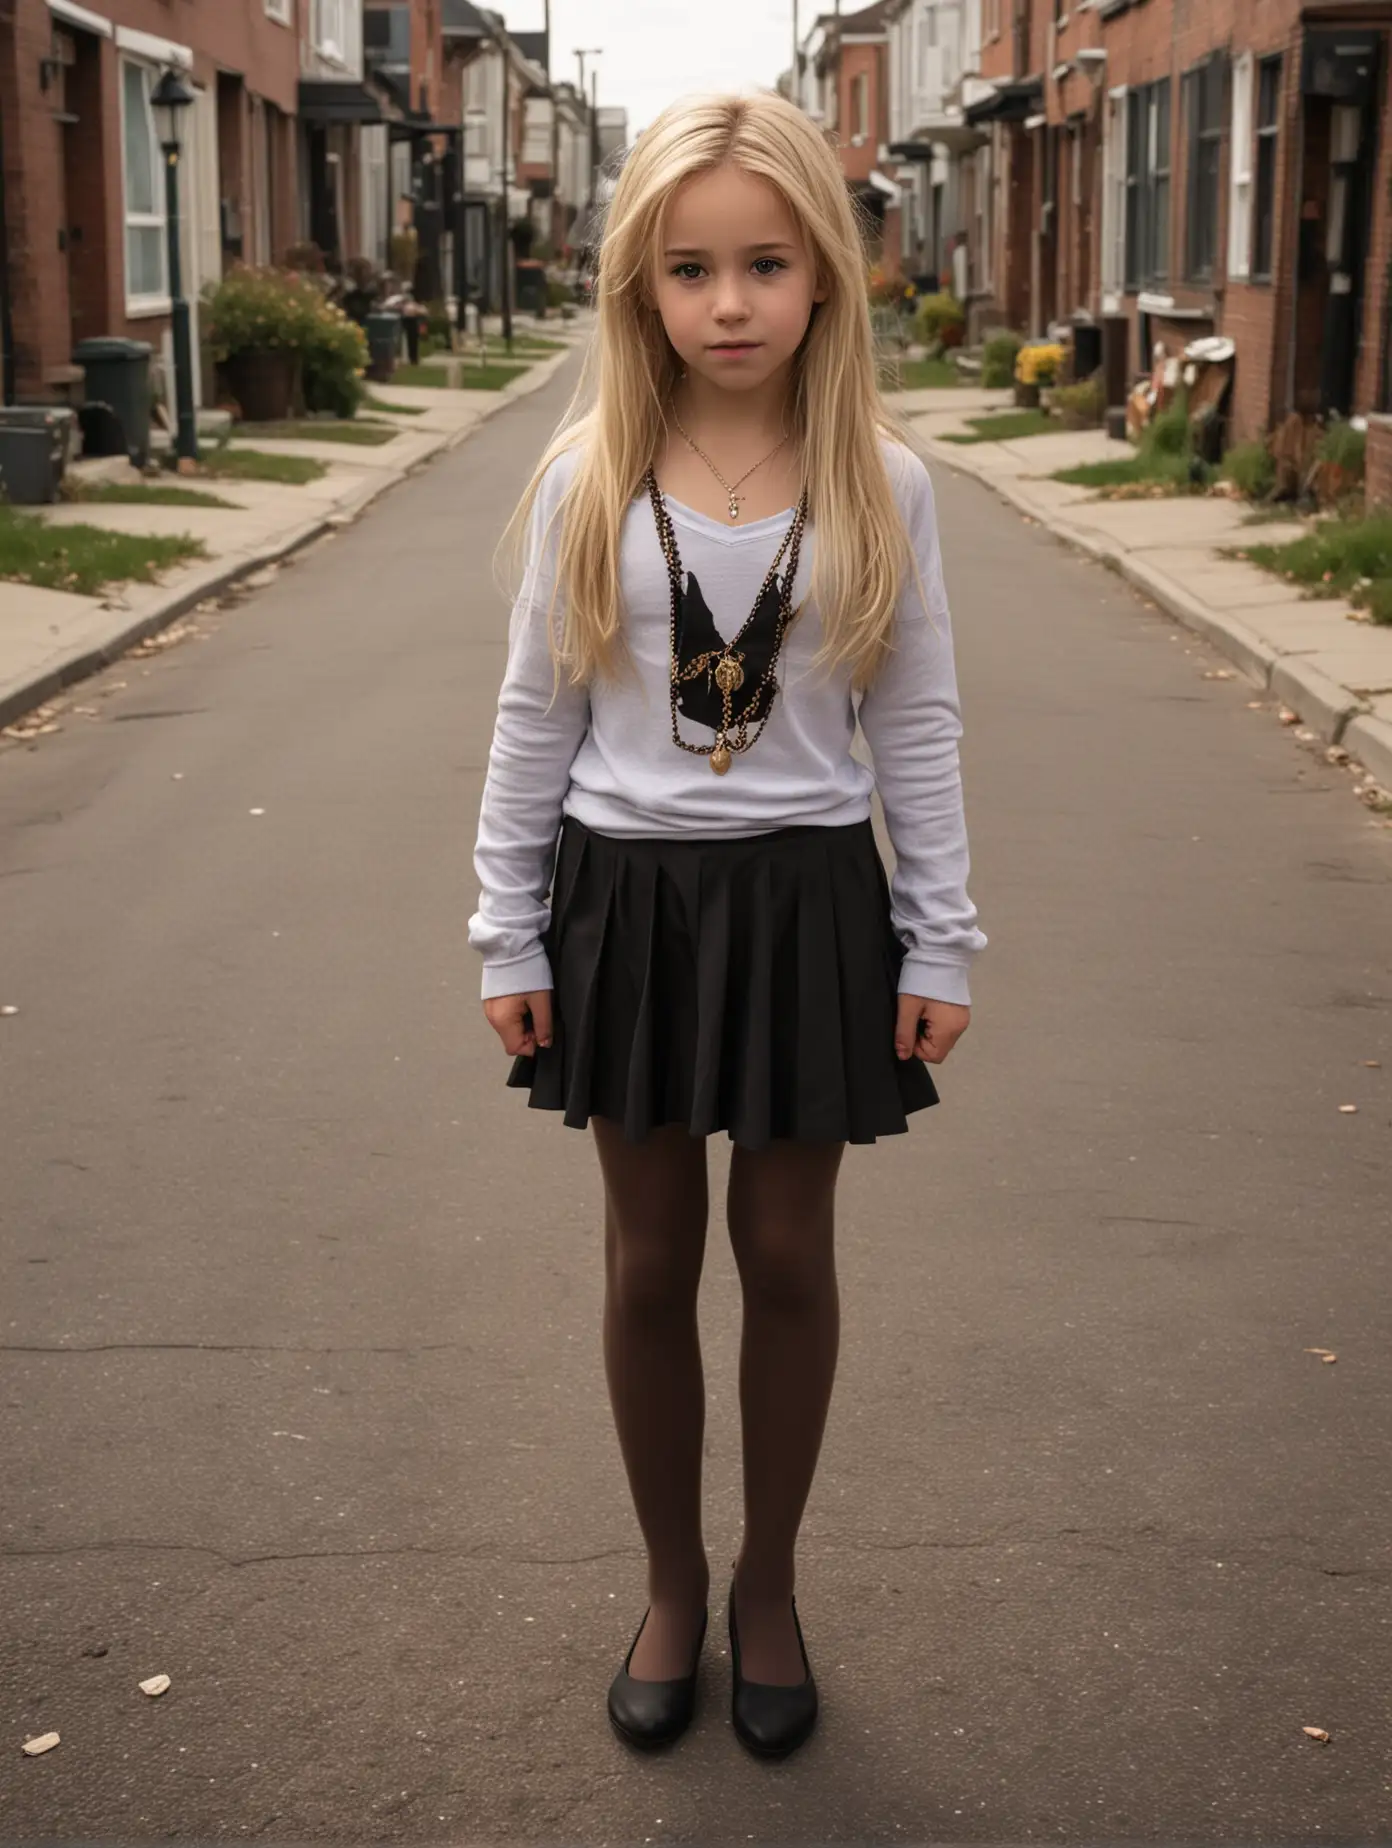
(305, 1404)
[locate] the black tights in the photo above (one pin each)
(780, 1211)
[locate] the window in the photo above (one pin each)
(1240, 163)
(859, 106)
(283, 10)
(387, 37)
(1203, 87)
(1148, 184)
(142, 164)
(330, 38)
(1268, 105)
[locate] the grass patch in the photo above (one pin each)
(84, 558)
(1341, 558)
(1127, 471)
(261, 465)
(394, 410)
(473, 378)
(312, 430)
(1006, 427)
(919, 375)
(143, 493)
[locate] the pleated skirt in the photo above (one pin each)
(739, 986)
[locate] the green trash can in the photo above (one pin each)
(115, 414)
(383, 342)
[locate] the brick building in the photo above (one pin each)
(1177, 170)
(84, 177)
(845, 88)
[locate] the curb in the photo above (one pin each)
(1336, 714)
(215, 579)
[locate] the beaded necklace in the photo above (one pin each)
(726, 662)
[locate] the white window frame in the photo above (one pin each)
(283, 11)
(1240, 170)
(331, 30)
(144, 221)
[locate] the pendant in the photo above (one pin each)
(729, 675)
(720, 758)
(734, 507)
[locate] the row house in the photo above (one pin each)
(325, 121)
(83, 208)
(1162, 172)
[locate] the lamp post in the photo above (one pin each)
(581, 53)
(169, 99)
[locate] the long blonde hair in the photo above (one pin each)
(835, 411)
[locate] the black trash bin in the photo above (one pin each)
(34, 450)
(117, 387)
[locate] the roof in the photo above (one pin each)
(461, 20)
(532, 45)
(868, 19)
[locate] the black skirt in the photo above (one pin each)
(748, 986)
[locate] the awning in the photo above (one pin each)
(882, 183)
(1012, 102)
(326, 104)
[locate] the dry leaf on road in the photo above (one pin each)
(156, 1684)
(44, 1743)
(1316, 1732)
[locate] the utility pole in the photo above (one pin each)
(555, 141)
(589, 51)
(505, 240)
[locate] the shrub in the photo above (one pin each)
(998, 360)
(940, 318)
(1079, 406)
(1252, 470)
(1378, 600)
(1038, 363)
(1345, 447)
(333, 357)
(1168, 434)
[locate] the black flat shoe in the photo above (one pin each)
(649, 1713)
(771, 1718)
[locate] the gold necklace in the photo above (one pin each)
(728, 487)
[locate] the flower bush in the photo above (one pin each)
(1038, 363)
(998, 356)
(256, 310)
(941, 319)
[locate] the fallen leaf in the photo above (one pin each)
(1288, 717)
(1327, 1354)
(1336, 754)
(256, 811)
(1255, 705)
(1217, 673)
(1316, 1732)
(1305, 735)
(44, 1743)
(1348, 1109)
(1373, 1065)
(8, 1010)
(155, 1685)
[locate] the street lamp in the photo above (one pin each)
(169, 99)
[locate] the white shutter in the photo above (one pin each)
(1240, 170)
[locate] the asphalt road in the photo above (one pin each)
(304, 1402)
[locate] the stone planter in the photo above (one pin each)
(262, 380)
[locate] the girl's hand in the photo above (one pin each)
(521, 1022)
(929, 1029)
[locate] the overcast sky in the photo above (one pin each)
(657, 49)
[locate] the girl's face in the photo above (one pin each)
(735, 282)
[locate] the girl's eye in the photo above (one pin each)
(777, 263)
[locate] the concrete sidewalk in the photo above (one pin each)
(49, 638)
(1335, 672)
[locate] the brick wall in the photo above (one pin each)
(856, 61)
(1374, 362)
(33, 201)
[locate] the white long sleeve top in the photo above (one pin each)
(604, 753)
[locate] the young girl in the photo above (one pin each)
(730, 554)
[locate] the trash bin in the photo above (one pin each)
(117, 378)
(531, 286)
(383, 342)
(34, 451)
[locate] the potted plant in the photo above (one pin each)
(1037, 364)
(940, 320)
(254, 321)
